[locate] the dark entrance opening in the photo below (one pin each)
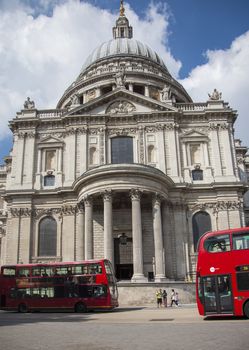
(123, 257)
(124, 271)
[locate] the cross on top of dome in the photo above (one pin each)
(122, 9)
(122, 29)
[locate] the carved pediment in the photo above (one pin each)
(120, 107)
(50, 141)
(194, 135)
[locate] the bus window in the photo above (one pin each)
(46, 271)
(220, 243)
(61, 270)
(243, 281)
(23, 293)
(23, 272)
(99, 291)
(85, 291)
(94, 269)
(9, 271)
(241, 241)
(77, 270)
(36, 271)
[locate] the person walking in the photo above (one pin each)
(177, 299)
(165, 298)
(173, 298)
(159, 296)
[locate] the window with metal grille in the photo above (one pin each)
(47, 237)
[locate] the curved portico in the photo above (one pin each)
(129, 192)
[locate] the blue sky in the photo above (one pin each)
(43, 44)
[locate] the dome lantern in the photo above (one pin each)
(122, 29)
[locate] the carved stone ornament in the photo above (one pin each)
(69, 210)
(107, 195)
(135, 194)
(120, 107)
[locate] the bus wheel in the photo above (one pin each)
(22, 308)
(246, 309)
(80, 307)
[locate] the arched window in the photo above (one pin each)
(122, 150)
(47, 237)
(93, 156)
(201, 223)
(151, 154)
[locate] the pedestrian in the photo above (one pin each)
(173, 298)
(159, 297)
(177, 299)
(165, 298)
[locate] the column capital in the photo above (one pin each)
(157, 199)
(107, 195)
(135, 194)
(88, 201)
(80, 207)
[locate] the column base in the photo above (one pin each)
(160, 278)
(138, 278)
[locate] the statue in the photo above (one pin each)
(215, 96)
(28, 104)
(74, 99)
(120, 78)
(166, 93)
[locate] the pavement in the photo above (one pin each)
(147, 313)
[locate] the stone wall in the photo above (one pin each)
(145, 294)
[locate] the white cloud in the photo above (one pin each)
(228, 71)
(41, 55)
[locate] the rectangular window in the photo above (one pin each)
(241, 241)
(243, 281)
(215, 244)
(9, 271)
(49, 180)
(122, 150)
(23, 272)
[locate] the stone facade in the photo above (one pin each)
(126, 167)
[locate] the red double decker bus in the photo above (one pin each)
(78, 286)
(222, 283)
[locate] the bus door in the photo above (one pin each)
(217, 291)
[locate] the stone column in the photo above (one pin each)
(108, 238)
(146, 91)
(158, 239)
(88, 228)
(138, 275)
(80, 233)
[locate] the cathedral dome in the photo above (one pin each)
(120, 47)
(145, 71)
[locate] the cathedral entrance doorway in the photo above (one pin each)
(123, 257)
